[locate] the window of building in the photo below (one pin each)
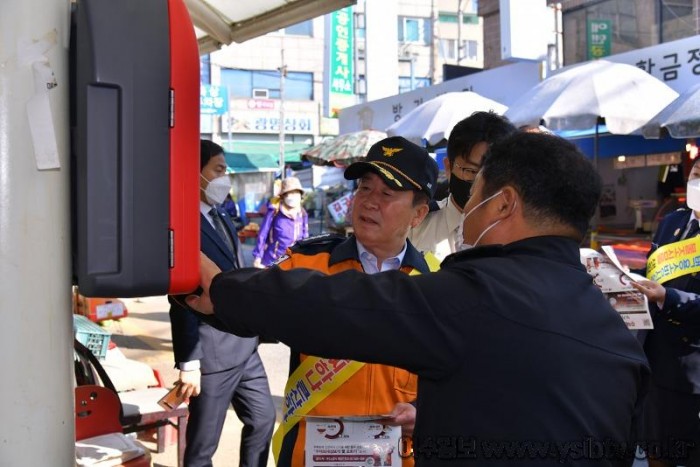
(471, 6)
(360, 28)
(407, 84)
(448, 49)
(634, 25)
(204, 69)
(416, 30)
(677, 20)
(305, 28)
(467, 18)
(240, 83)
(471, 50)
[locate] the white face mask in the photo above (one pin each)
(292, 200)
(217, 189)
(693, 194)
(465, 245)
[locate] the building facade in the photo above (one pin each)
(590, 29)
(429, 36)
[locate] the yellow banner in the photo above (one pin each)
(674, 260)
(432, 262)
(314, 380)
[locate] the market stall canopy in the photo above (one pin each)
(433, 120)
(260, 156)
(625, 96)
(610, 145)
(343, 150)
(221, 22)
(681, 119)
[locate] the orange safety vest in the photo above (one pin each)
(374, 389)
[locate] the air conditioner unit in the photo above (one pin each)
(261, 93)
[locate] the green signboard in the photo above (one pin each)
(599, 38)
(340, 70)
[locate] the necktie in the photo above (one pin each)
(693, 229)
(221, 230)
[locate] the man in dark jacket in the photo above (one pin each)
(520, 358)
(219, 369)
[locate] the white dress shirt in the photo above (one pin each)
(369, 261)
(440, 232)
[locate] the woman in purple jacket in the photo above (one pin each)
(282, 226)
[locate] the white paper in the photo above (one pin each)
(107, 450)
(109, 310)
(40, 118)
(616, 284)
(344, 443)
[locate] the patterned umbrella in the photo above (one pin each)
(343, 150)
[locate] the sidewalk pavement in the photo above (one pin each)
(144, 335)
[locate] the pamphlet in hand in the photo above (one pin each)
(352, 441)
(615, 283)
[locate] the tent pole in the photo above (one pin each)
(596, 216)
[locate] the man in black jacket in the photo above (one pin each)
(520, 358)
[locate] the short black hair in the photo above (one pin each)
(479, 127)
(420, 197)
(207, 150)
(553, 178)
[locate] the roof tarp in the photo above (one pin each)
(220, 22)
(260, 156)
(610, 145)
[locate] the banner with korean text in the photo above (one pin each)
(339, 80)
(674, 260)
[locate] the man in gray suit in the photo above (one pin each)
(218, 368)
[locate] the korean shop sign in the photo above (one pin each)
(213, 100)
(599, 38)
(340, 58)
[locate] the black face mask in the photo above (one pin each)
(459, 189)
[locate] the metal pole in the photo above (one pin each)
(459, 32)
(434, 37)
(283, 74)
(36, 337)
(229, 143)
(596, 215)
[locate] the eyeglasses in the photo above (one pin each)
(466, 171)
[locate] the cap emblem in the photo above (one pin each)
(389, 152)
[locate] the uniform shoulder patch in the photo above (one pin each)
(318, 243)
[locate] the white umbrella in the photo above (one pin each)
(625, 96)
(433, 120)
(681, 118)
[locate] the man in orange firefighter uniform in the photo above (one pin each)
(396, 182)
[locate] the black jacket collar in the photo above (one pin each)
(555, 248)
